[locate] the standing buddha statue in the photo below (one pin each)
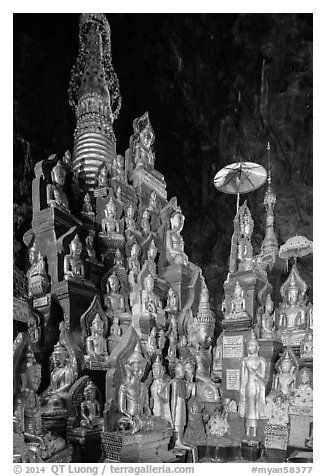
(160, 392)
(178, 405)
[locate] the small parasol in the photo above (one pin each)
(296, 247)
(240, 177)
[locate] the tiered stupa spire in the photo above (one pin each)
(269, 248)
(95, 95)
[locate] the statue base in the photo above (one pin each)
(74, 299)
(237, 324)
(276, 437)
(179, 278)
(141, 447)
(86, 444)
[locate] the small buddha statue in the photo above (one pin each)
(102, 178)
(286, 368)
(183, 342)
(144, 138)
(149, 298)
(37, 278)
(278, 410)
(133, 399)
(89, 245)
(238, 304)
(118, 169)
(90, 408)
(144, 223)
(73, 265)
(27, 414)
(174, 241)
(245, 250)
(118, 194)
(96, 345)
(151, 343)
(306, 347)
(178, 404)
(172, 301)
(130, 221)
(161, 340)
(87, 210)
(267, 320)
(303, 393)
(115, 329)
(153, 201)
(172, 350)
(217, 426)
(55, 195)
(62, 377)
(252, 387)
(189, 377)
(110, 224)
(173, 328)
(160, 392)
(114, 301)
(118, 259)
(195, 430)
(133, 265)
(151, 257)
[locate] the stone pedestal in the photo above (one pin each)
(86, 444)
(141, 447)
(276, 437)
(179, 277)
(48, 226)
(74, 299)
(237, 430)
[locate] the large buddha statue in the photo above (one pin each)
(73, 264)
(113, 300)
(27, 414)
(174, 241)
(96, 344)
(55, 195)
(292, 316)
(54, 397)
(252, 387)
(133, 398)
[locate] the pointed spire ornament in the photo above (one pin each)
(94, 94)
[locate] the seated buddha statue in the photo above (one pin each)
(55, 195)
(54, 397)
(96, 344)
(130, 221)
(306, 347)
(151, 343)
(174, 241)
(118, 169)
(278, 410)
(27, 414)
(286, 367)
(151, 257)
(113, 300)
(73, 264)
(90, 408)
(37, 278)
(172, 301)
(144, 223)
(133, 399)
(152, 205)
(303, 393)
(238, 304)
(102, 178)
(292, 313)
(144, 138)
(87, 209)
(148, 297)
(110, 224)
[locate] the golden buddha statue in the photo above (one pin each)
(37, 278)
(172, 301)
(174, 241)
(130, 221)
(102, 178)
(286, 368)
(303, 393)
(118, 169)
(55, 195)
(151, 257)
(54, 397)
(160, 392)
(27, 414)
(252, 387)
(267, 320)
(278, 410)
(133, 265)
(110, 224)
(292, 319)
(152, 205)
(238, 304)
(73, 265)
(144, 138)
(149, 298)
(96, 345)
(144, 223)
(89, 245)
(151, 343)
(178, 405)
(87, 209)
(306, 347)
(90, 408)
(118, 259)
(113, 300)
(133, 398)
(115, 329)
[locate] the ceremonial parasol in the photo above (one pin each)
(240, 177)
(296, 247)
